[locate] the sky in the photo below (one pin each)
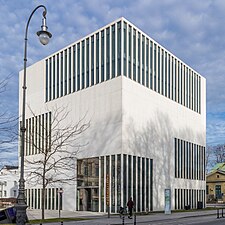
(193, 30)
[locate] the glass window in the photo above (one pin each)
(32, 135)
(118, 181)
(129, 53)
(107, 183)
(151, 184)
(175, 161)
(78, 66)
(70, 70)
(57, 75)
(87, 62)
(46, 80)
(125, 197)
(172, 78)
(53, 198)
(175, 199)
(175, 81)
(139, 184)
(50, 79)
(39, 199)
(166, 74)
(125, 49)
(147, 63)
(155, 67)
(65, 73)
(139, 58)
(143, 200)
(97, 58)
(197, 92)
(187, 159)
(35, 198)
(118, 48)
(74, 68)
(82, 62)
(61, 199)
(102, 184)
(186, 88)
(113, 51)
(113, 169)
(129, 176)
(134, 54)
(57, 199)
(179, 156)
(102, 56)
(169, 76)
(92, 60)
(143, 59)
(134, 179)
(151, 60)
(61, 74)
(159, 70)
(147, 185)
(182, 83)
(49, 198)
(179, 82)
(107, 54)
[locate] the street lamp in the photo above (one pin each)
(44, 37)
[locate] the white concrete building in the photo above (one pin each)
(9, 177)
(147, 112)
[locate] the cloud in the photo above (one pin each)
(9, 154)
(193, 30)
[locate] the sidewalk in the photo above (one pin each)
(102, 218)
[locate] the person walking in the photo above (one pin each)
(130, 205)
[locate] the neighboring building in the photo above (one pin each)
(148, 121)
(8, 184)
(215, 184)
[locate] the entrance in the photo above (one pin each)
(88, 199)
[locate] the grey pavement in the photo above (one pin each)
(102, 218)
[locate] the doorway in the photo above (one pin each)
(88, 199)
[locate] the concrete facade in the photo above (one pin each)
(147, 116)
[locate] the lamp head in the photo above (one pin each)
(43, 34)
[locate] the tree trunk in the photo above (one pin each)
(43, 196)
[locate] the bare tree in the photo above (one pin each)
(8, 123)
(54, 141)
(209, 159)
(214, 154)
(219, 153)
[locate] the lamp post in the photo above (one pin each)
(44, 37)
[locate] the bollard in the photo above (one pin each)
(135, 218)
(218, 214)
(123, 220)
(61, 222)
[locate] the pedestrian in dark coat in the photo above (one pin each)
(130, 205)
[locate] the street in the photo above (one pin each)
(147, 220)
(201, 220)
(203, 217)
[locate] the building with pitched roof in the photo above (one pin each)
(215, 184)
